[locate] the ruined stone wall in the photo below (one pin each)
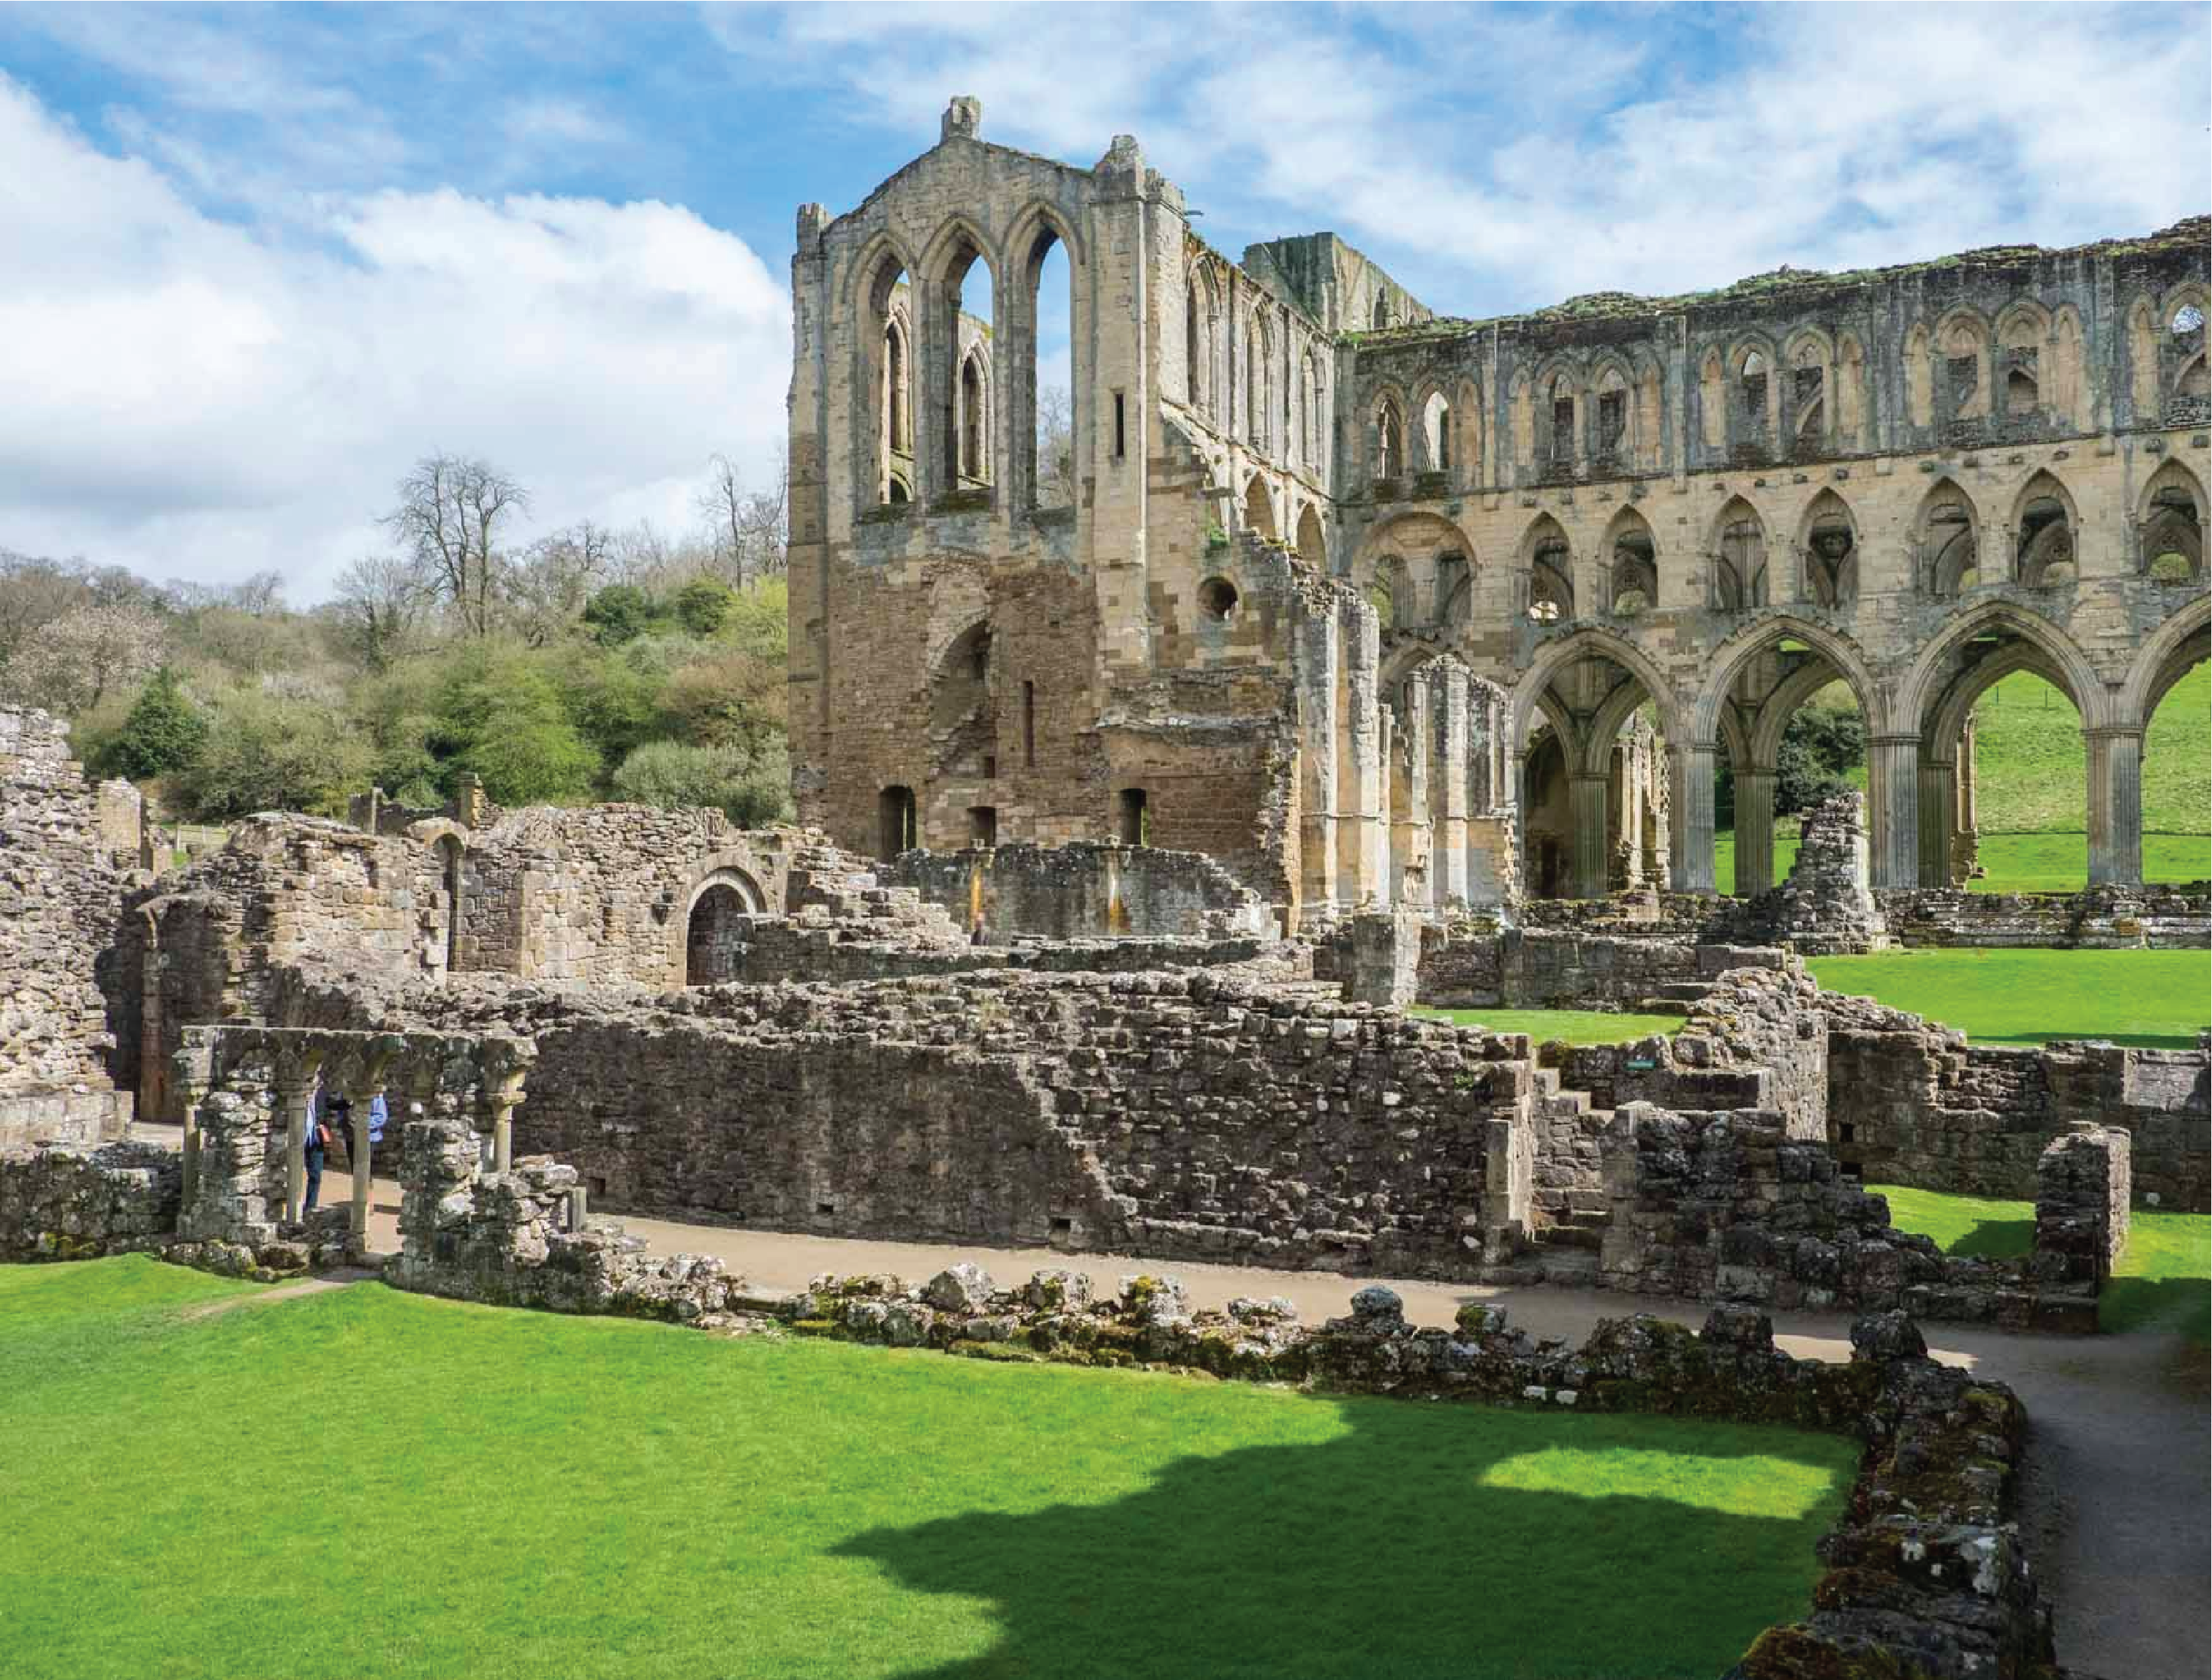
(59, 899)
(604, 893)
(1911, 1102)
(2157, 918)
(79, 1202)
(64, 1114)
(1085, 889)
(1477, 964)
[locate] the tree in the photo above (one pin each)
(548, 590)
(269, 752)
(95, 648)
(501, 714)
(749, 528)
(752, 788)
(381, 598)
(1056, 449)
(33, 592)
(618, 612)
(163, 732)
(703, 605)
(451, 519)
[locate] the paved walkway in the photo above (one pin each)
(2116, 1501)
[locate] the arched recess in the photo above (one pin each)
(1555, 656)
(1043, 246)
(1612, 395)
(2181, 322)
(1548, 566)
(1587, 687)
(1828, 542)
(1198, 342)
(713, 926)
(963, 724)
(1419, 559)
(1962, 345)
(1941, 660)
(1738, 548)
(2044, 526)
(1310, 414)
(1947, 541)
(2023, 331)
(1467, 458)
(884, 378)
(1313, 546)
(947, 341)
(1260, 509)
(974, 415)
(1259, 379)
(1389, 436)
(1632, 566)
(448, 843)
(2170, 525)
(1436, 434)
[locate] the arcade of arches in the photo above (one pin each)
(1632, 537)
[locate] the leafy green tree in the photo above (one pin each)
(164, 732)
(752, 789)
(500, 714)
(263, 751)
(618, 612)
(611, 700)
(703, 605)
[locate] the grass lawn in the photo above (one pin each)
(361, 1484)
(2161, 998)
(2015, 862)
(2164, 1278)
(1573, 1027)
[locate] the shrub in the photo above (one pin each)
(752, 789)
(262, 753)
(164, 732)
(703, 605)
(618, 612)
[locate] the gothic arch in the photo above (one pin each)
(1313, 544)
(1632, 556)
(941, 259)
(1548, 566)
(2171, 519)
(1037, 217)
(2164, 658)
(1931, 673)
(1827, 549)
(1739, 558)
(1258, 504)
(1764, 744)
(1726, 661)
(2037, 538)
(1386, 432)
(1556, 655)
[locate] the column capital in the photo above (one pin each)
(2112, 732)
(1912, 740)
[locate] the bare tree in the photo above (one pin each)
(1056, 449)
(547, 589)
(750, 527)
(381, 598)
(33, 592)
(452, 516)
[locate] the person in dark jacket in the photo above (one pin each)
(318, 1143)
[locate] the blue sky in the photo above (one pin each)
(271, 255)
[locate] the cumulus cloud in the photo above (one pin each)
(204, 398)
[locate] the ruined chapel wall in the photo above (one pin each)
(1086, 890)
(60, 898)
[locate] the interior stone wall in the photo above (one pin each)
(1085, 889)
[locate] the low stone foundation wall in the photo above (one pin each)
(1910, 1102)
(72, 1202)
(772, 949)
(68, 1114)
(1476, 966)
(2156, 918)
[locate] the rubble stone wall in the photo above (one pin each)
(1910, 1102)
(78, 1201)
(2154, 917)
(67, 1115)
(1085, 889)
(1476, 965)
(59, 898)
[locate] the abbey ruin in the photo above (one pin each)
(1381, 658)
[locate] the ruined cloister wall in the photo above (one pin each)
(59, 895)
(1085, 889)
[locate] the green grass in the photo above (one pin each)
(1573, 1027)
(2159, 999)
(2163, 1282)
(362, 1484)
(2031, 790)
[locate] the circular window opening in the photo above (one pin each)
(1218, 596)
(2186, 319)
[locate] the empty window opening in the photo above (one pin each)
(1563, 420)
(983, 824)
(1120, 427)
(825, 1207)
(964, 371)
(1389, 439)
(891, 304)
(449, 851)
(1752, 378)
(1740, 569)
(2174, 542)
(597, 1186)
(1551, 583)
(1963, 374)
(973, 420)
(2046, 543)
(990, 768)
(1436, 432)
(1949, 545)
(2021, 394)
(2187, 320)
(1043, 428)
(1062, 1225)
(1849, 1132)
(1135, 817)
(895, 812)
(1217, 597)
(1454, 582)
(1382, 315)
(1635, 574)
(1029, 726)
(1612, 420)
(1831, 564)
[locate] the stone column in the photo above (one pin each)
(1754, 831)
(1690, 814)
(1413, 831)
(1447, 780)
(1316, 652)
(1893, 804)
(358, 1224)
(1362, 843)
(1966, 851)
(293, 1100)
(1593, 842)
(1939, 800)
(2115, 806)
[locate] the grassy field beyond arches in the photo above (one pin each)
(364, 1485)
(2159, 999)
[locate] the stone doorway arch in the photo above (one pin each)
(716, 924)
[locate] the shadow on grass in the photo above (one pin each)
(1393, 1551)
(1996, 1239)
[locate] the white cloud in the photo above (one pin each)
(192, 397)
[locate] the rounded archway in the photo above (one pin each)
(716, 925)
